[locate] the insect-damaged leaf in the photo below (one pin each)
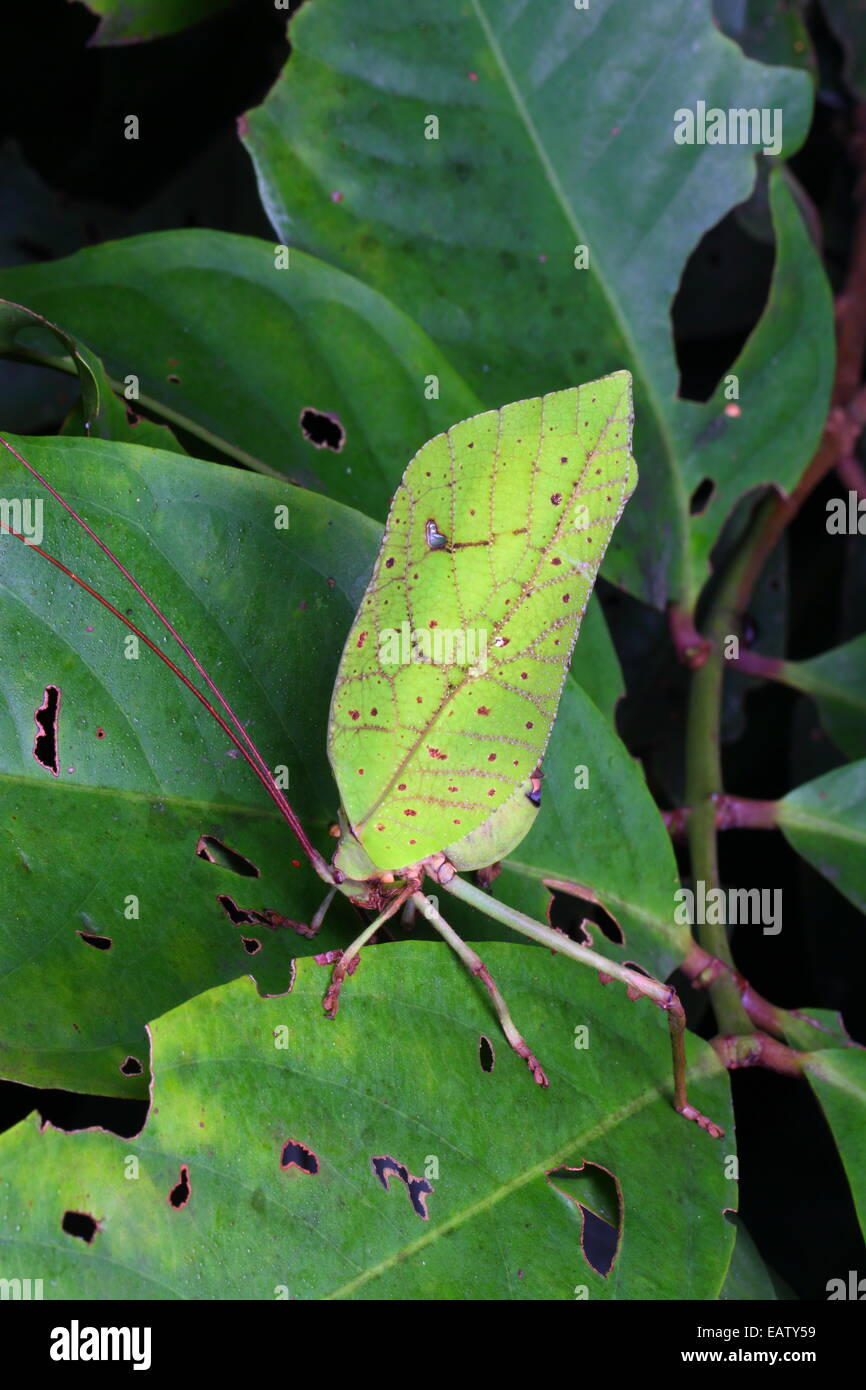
(451, 675)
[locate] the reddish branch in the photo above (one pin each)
(732, 813)
(736, 1050)
(847, 416)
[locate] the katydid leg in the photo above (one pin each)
(664, 995)
(331, 1001)
(476, 967)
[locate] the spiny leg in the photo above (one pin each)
(331, 1001)
(677, 1024)
(476, 966)
(663, 995)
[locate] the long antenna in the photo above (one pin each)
(239, 735)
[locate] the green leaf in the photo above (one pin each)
(234, 350)
(100, 414)
(836, 681)
(847, 19)
(825, 821)
(396, 1075)
(143, 769)
(595, 664)
(780, 416)
(772, 31)
(586, 835)
(493, 544)
(257, 607)
(748, 1277)
(122, 22)
(552, 136)
(839, 1081)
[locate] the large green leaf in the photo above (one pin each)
(748, 1277)
(836, 681)
(397, 1075)
(596, 809)
(235, 350)
(268, 611)
(143, 770)
(825, 821)
(556, 132)
(122, 22)
(27, 336)
(839, 1081)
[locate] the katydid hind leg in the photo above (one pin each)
(637, 984)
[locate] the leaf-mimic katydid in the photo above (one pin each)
(451, 675)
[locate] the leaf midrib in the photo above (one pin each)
(570, 216)
(707, 1066)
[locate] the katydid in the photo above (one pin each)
(451, 675)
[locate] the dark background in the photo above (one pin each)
(70, 179)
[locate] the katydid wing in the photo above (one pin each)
(491, 550)
(379, 890)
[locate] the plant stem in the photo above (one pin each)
(731, 813)
(759, 1050)
(704, 766)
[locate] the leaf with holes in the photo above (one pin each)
(518, 183)
(320, 378)
(286, 1158)
(97, 903)
(106, 908)
(561, 468)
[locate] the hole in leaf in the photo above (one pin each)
(179, 1195)
(102, 943)
(638, 969)
(700, 498)
(45, 743)
(725, 284)
(251, 945)
(79, 1224)
(297, 1155)
(573, 912)
(323, 429)
(486, 1054)
(239, 916)
(131, 1067)
(419, 1189)
(595, 1194)
(215, 852)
